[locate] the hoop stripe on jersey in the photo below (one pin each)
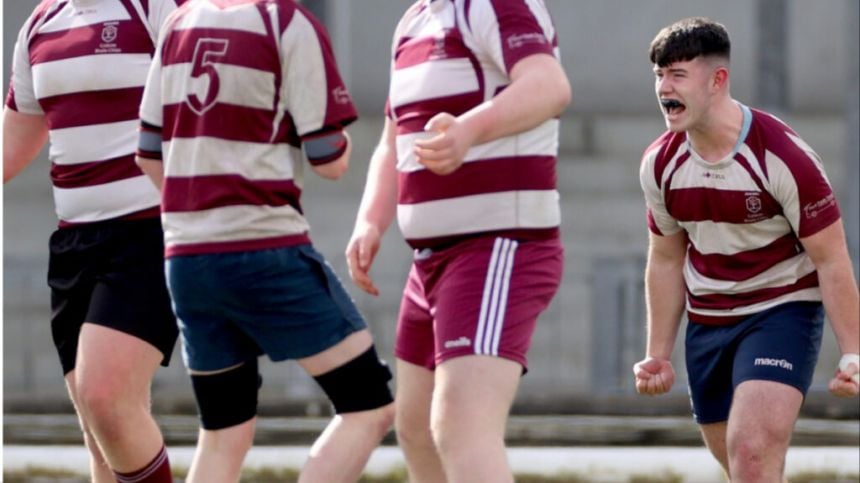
(450, 57)
(744, 217)
(84, 70)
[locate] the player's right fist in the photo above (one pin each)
(653, 376)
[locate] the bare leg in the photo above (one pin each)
(471, 402)
(112, 382)
(715, 438)
(342, 450)
(414, 396)
(220, 453)
(100, 472)
(759, 430)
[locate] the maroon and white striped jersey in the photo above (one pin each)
(82, 64)
(235, 88)
(743, 215)
(450, 56)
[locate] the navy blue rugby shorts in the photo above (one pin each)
(780, 344)
(286, 303)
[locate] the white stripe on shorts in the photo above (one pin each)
(495, 297)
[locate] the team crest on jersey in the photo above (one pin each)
(753, 203)
(110, 31)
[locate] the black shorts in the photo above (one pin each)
(111, 274)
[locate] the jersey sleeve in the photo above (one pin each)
(22, 96)
(315, 94)
(660, 222)
(510, 30)
(151, 109)
(799, 184)
(159, 11)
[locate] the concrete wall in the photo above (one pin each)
(592, 332)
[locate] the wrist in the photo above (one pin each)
(848, 359)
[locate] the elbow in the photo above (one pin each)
(333, 170)
(563, 94)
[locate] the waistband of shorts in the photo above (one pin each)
(520, 235)
(725, 320)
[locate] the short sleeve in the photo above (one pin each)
(315, 94)
(22, 96)
(159, 11)
(510, 30)
(151, 109)
(801, 187)
(660, 222)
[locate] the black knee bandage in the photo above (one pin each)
(359, 385)
(227, 398)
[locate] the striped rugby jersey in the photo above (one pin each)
(235, 87)
(82, 64)
(450, 56)
(743, 216)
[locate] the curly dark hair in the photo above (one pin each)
(689, 38)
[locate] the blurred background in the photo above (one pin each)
(796, 58)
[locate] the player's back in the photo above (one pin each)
(240, 81)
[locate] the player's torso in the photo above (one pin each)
(89, 61)
(232, 157)
(504, 185)
(724, 207)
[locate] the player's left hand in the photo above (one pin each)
(845, 382)
(443, 153)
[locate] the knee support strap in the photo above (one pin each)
(359, 385)
(227, 398)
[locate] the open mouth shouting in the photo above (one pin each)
(672, 107)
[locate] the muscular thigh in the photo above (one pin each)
(764, 410)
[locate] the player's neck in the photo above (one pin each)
(717, 135)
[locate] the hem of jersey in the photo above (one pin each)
(207, 248)
(144, 214)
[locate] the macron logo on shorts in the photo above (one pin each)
(766, 361)
(463, 341)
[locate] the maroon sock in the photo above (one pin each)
(156, 471)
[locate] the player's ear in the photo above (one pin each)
(720, 78)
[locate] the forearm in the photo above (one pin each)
(379, 201)
(539, 91)
(24, 135)
(839, 292)
(152, 168)
(665, 295)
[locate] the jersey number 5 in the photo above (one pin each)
(203, 63)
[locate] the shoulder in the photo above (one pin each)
(663, 149)
(658, 155)
(44, 9)
(775, 136)
(409, 17)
